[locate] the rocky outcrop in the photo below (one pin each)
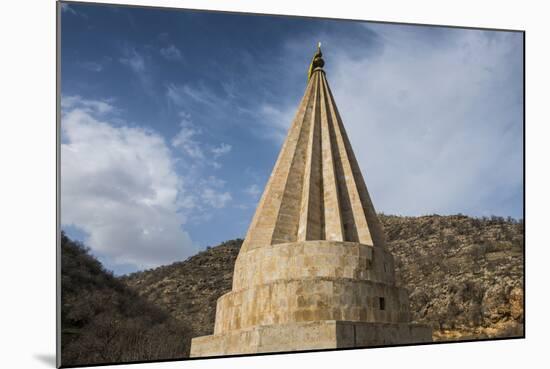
(464, 275)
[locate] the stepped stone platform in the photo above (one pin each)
(314, 335)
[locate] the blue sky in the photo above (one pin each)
(172, 121)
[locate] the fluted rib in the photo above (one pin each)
(375, 230)
(316, 190)
(261, 228)
(355, 222)
(311, 210)
(332, 213)
(288, 217)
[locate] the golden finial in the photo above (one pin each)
(317, 61)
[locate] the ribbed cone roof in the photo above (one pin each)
(316, 190)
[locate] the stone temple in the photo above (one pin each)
(313, 271)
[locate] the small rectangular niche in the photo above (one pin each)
(382, 303)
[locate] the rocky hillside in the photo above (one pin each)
(188, 290)
(103, 321)
(464, 275)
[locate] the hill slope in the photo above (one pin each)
(188, 290)
(104, 321)
(464, 276)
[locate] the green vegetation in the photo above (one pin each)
(104, 321)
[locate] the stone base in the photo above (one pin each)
(314, 335)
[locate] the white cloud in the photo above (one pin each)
(134, 60)
(171, 53)
(230, 89)
(65, 8)
(208, 196)
(120, 186)
(221, 150)
(215, 198)
(212, 181)
(435, 121)
(92, 66)
(253, 190)
(186, 93)
(139, 63)
(277, 120)
(123, 185)
(185, 141)
(88, 106)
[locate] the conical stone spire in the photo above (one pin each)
(316, 190)
(313, 271)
